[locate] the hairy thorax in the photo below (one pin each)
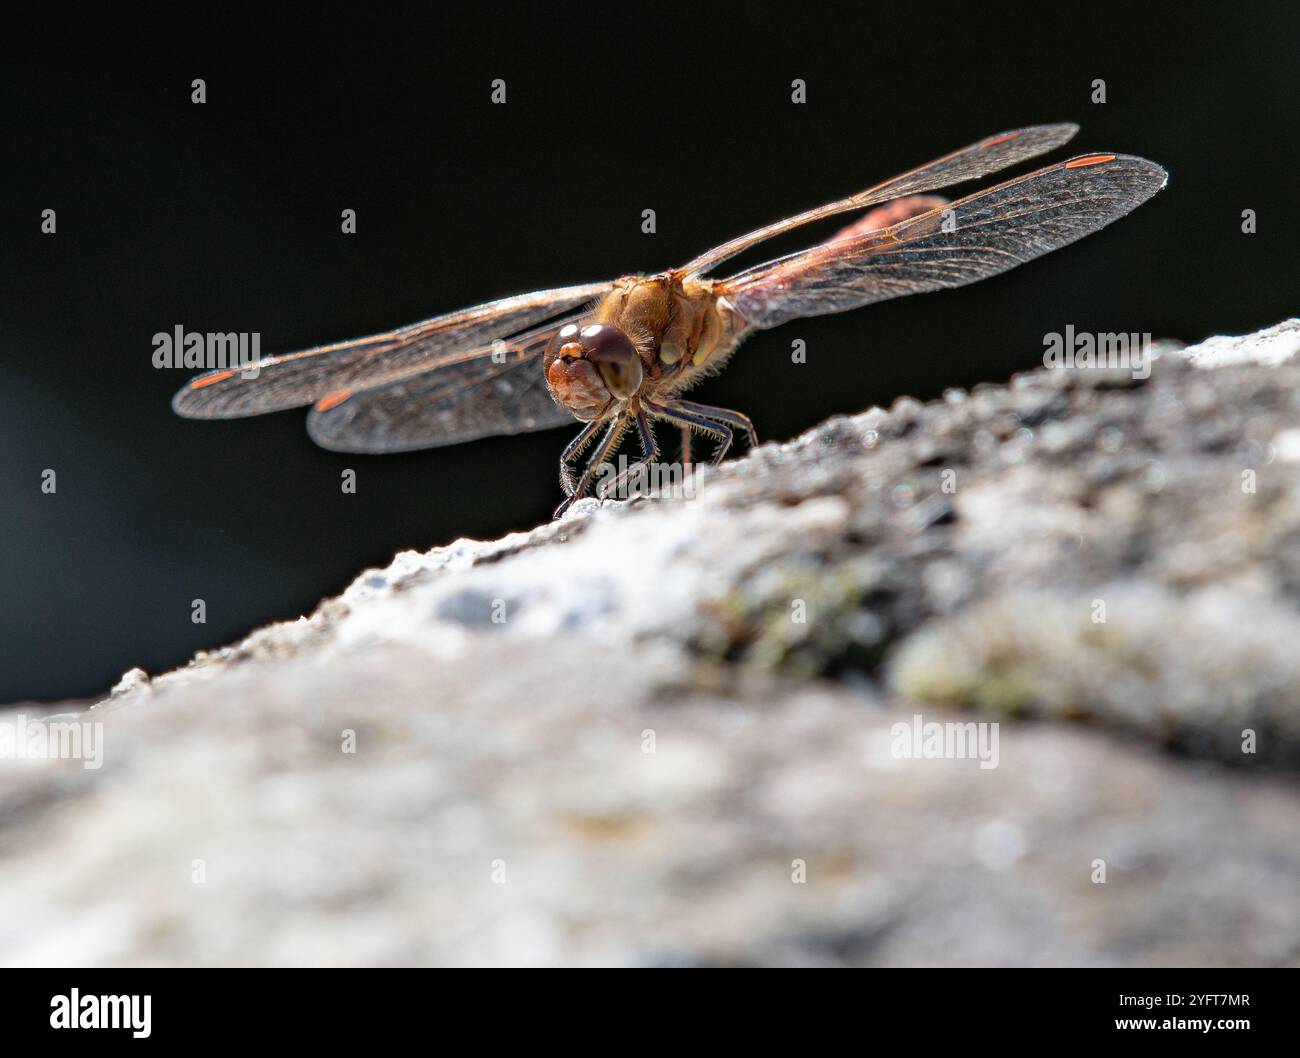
(679, 331)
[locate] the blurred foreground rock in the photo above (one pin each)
(659, 732)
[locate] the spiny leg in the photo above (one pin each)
(608, 443)
(572, 450)
(731, 418)
(649, 450)
(686, 448)
(672, 412)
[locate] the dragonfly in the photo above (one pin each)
(618, 355)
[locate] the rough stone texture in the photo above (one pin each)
(501, 805)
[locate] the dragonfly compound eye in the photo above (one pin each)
(588, 367)
(609, 349)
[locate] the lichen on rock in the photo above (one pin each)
(661, 731)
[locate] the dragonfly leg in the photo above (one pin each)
(732, 418)
(571, 452)
(649, 453)
(674, 412)
(607, 445)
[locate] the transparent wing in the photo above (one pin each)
(494, 389)
(296, 379)
(969, 163)
(970, 239)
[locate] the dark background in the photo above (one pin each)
(225, 217)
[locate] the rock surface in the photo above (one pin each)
(661, 732)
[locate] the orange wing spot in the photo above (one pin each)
(1000, 139)
(1089, 159)
(333, 400)
(211, 380)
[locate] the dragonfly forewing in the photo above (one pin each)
(964, 241)
(989, 155)
(495, 389)
(297, 379)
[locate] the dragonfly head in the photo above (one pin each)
(590, 367)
